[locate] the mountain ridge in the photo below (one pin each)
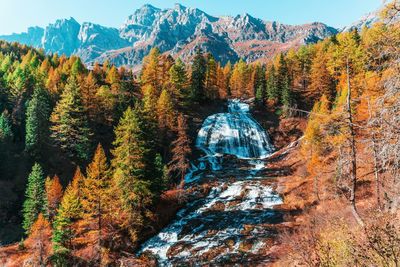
(177, 31)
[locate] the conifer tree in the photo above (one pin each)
(161, 173)
(135, 173)
(54, 192)
(287, 98)
(240, 82)
(260, 94)
(165, 111)
(35, 202)
(235, 82)
(39, 240)
(54, 82)
(23, 81)
(272, 89)
(178, 79)
(322, 82)
(150, 70)
(77, 67)
(283, 78)
(114, 80)
(113, 77)
(70, 128)
(305, 59)
(260, 83)
(69, 211)
(221, 82)
(211, 78)
(225, 76)
(107, 102)
(37, 122)
(6, 133)
(95, 194)
(89, 100)
(165, 64)
(45, 66)
(198, 77)
(181, 150)
(150, 98)
(6, 136)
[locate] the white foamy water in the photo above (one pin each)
(231, 216)
(234, 133)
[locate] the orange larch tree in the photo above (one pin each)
(54, 192)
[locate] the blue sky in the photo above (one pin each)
(17, 15)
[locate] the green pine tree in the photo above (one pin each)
(69, 211)
(178, 79)
(37, 118)
(77, 67)
(35, 194)
(199, 68)
(272, 89)
(136, 174)
(6, 136)
(260, 94)
(6, 133)
(283, 75)
(70, 128)
(260, 84)
(161, 174)
(287, 98)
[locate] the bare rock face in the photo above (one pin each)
(180, 30)
(61, 37)
(32, 37)
(94, 40)
(370, 19)
(177, 31)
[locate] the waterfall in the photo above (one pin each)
(234, 133)
(214, 226)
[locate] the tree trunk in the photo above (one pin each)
(316, 185)
(41, 252)
(353, 154)
(376, 163)
(99, 233)
(316, 181)
(376, 172)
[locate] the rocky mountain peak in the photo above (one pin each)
(178, 31)
(179, 7)
(371, 18)
(61, 36)
(143, 16)
(60, 23)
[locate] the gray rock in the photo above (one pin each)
(177, 31)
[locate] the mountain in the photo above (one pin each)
(371, 18)
(32, 37)
(177, 31)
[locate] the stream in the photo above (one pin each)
(232, 224)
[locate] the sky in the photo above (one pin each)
(18, 15)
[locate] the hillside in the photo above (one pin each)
(288, 161)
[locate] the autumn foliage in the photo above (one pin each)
(55, 110)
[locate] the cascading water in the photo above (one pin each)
(228, 226)
(234, 133)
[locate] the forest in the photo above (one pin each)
(93, 158)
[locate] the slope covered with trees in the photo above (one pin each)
(121, 145)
